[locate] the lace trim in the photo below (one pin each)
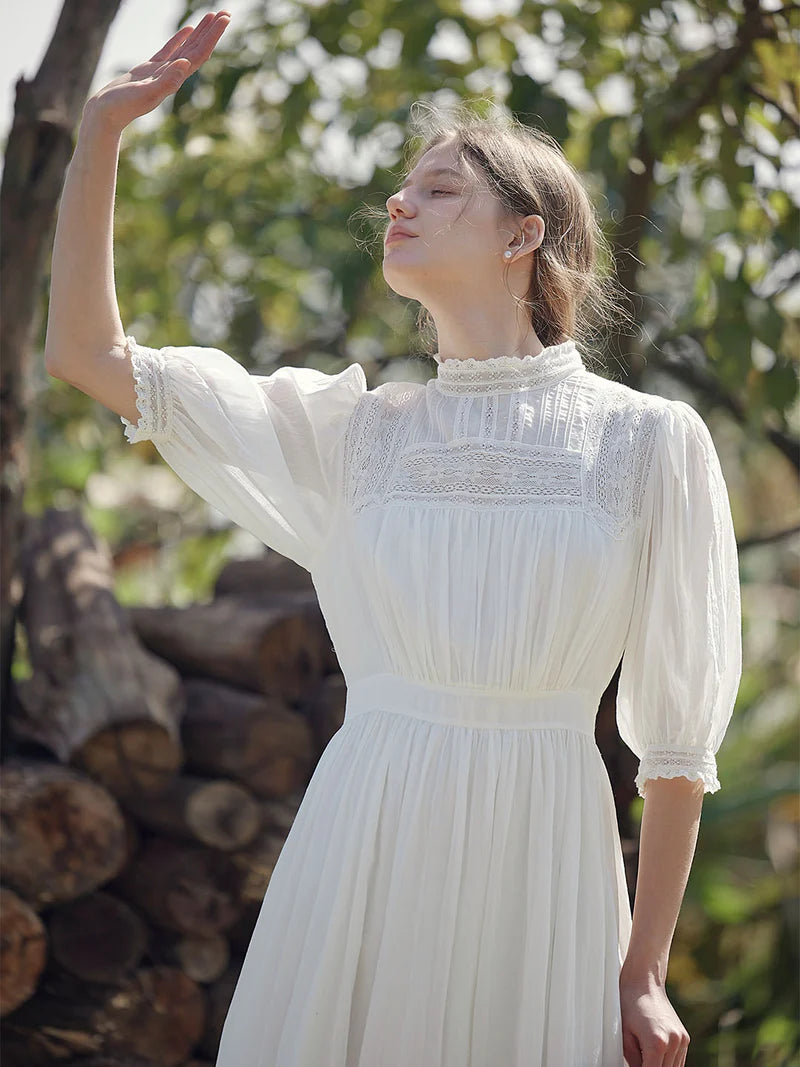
(694, 764)
(596, 450)
(488, 472)
(619, 448)
(374, 436)
(507, 373)
(153, 396)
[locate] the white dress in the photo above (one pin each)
(485, 547)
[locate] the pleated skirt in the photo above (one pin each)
(451, 894)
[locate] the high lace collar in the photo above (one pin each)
(508, 374)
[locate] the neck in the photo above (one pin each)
(474, 333)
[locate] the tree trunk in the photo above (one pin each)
(39, 147)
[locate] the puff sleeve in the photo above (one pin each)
(682, 661)
(265, 450)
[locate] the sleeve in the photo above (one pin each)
(682, 661)
(265, 450)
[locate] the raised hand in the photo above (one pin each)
(143, 87)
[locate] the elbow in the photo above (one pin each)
(50, 364)
(55, 368)
(52, 367)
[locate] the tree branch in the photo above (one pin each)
(767, 539)
(793, 120)
(711, 388)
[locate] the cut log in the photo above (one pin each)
(158, 1016)
(23, 950)
(218, 999)
(280, 814)
(112, 1061)
(61, 835)
(216, 812)
(257, 863)
(187, 888)
(99, 938)
(96, 698)
(136, 757)
(261, 577)
(267, 648)
(324, 710)
(253, 739)
(204, 959)
(28, 1047)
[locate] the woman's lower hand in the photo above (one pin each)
(652, 1033)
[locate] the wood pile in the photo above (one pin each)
(154, 762)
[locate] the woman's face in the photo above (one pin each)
(458, 241)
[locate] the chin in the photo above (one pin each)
(397, 283)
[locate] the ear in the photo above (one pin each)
(533, 225)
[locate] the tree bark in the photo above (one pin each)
(256, 740)
(46, 112)
(272, 646)
(96, 698)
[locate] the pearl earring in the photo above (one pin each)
(508, 254)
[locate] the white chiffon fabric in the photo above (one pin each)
(486, 547)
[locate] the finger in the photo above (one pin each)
(172, 44)
(674, 1056)
(201, 45)
(631, 1050)
(652, 1057)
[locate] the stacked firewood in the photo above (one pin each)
(154, 760)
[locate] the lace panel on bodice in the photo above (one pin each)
(599, 438)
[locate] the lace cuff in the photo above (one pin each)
(698, 764)
(153, 397)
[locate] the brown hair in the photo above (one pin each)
(573, 292)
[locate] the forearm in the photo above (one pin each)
(83, 318)
(668, 837)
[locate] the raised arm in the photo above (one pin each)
(85, 335)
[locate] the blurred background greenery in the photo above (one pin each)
(238, 226)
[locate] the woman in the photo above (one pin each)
(486, 547)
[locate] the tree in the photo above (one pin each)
(40, 145)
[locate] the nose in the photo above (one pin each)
(397, 202)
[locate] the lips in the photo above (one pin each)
(397, 231)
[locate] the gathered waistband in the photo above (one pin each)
(571, 709)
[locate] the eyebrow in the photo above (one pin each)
(435, 170)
